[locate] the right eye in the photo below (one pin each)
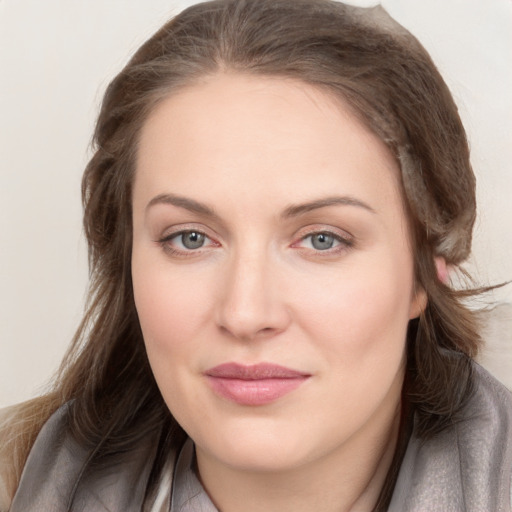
(189, 240)
(185, 241)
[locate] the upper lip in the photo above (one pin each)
(258, 371)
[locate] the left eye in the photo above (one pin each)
(189, 240)
(322, 241)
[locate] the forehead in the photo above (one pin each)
(246, 133)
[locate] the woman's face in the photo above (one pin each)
(272, 271)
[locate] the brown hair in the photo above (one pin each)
(359, 55)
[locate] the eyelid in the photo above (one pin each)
(169, 229)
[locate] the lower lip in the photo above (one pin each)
(254, 392)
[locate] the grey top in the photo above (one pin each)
(468, 467)
(188, 495)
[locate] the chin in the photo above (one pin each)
(257, 447)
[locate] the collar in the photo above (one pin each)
(188, 495)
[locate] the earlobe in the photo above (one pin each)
(418, 303)
(420, 300)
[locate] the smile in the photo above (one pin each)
(258, 384)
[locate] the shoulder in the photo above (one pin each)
(20, 425)
(469, 464)
(488, 415)
(484, 440)
(58, 473)
(8, 466)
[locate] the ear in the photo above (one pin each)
(442, 269)
(418, 302)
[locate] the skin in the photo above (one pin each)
(259, 290)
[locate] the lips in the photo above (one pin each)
(258, 384)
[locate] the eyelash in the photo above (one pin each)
(344, 243)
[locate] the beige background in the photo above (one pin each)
(56, 58)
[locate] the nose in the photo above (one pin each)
(252, 302)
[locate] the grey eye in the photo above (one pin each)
(322, 241)
(192, 239)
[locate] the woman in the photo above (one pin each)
(277, 192)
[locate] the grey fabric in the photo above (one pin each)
(466, 468)
(56, 477)
(158, 500)
(188, 495)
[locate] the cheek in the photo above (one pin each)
(360, 311)
(171, 305)
(171, 310)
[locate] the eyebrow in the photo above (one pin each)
(299, 209)
(182, 202)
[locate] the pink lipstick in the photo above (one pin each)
(257, 384)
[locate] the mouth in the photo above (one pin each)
(257, 384)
